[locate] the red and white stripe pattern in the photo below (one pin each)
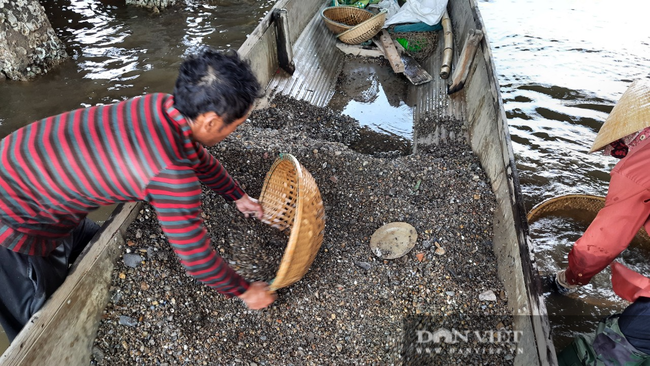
(56, 170)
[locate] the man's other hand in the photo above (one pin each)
(258, 296)
(250, 206)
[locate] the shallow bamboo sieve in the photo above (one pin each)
(365, 30)
(584, 207)
(338, 19)
(293, 203)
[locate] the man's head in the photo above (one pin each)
(216, 91)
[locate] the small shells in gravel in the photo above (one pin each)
(349, 308)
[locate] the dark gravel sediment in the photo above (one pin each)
(349, 308)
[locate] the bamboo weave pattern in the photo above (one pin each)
(293, 203)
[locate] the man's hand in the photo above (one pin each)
(561, 279)
(258, 296)
(558, 284)
(250, 206)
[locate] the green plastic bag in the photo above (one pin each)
(412, 46)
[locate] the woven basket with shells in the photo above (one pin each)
(293, 203)
(577, 206)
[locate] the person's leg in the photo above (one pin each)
(81, 236)
(569, 356)
(17, 291)
(634, 324)
(28, 281)
(51, 271)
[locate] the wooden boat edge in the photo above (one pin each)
(488, 124)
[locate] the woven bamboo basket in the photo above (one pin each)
(364, 31)
(292, 203)
(580, 206)
(338, 19)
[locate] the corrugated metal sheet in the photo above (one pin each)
(318, 63)
(432, 97)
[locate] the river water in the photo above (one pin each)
(562, 65)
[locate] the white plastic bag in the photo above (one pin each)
(390, 6)
(415, 11)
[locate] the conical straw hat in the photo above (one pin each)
(630, 114)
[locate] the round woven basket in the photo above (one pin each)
(364, 31)
(580, 206)
(338, 19)
(292, 202)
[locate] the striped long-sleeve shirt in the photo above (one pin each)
(55, 171)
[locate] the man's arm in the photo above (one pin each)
(626, 210)
(214, 175)
(176, 197)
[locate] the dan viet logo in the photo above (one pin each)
(453, 341)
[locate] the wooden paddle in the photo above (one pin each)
(400, 60)
(461, 71)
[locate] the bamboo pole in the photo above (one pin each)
(448, 52)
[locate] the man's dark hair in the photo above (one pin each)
(216, 81)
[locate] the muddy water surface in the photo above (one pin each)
(119, 52)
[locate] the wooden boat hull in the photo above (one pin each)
(64, 330)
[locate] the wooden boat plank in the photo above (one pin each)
(390, 51)
(357, 50)
(488, 124)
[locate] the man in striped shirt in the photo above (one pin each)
(55, 171)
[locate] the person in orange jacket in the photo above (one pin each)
(624, 135)
(620, 339)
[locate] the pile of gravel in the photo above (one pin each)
(350, 307)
